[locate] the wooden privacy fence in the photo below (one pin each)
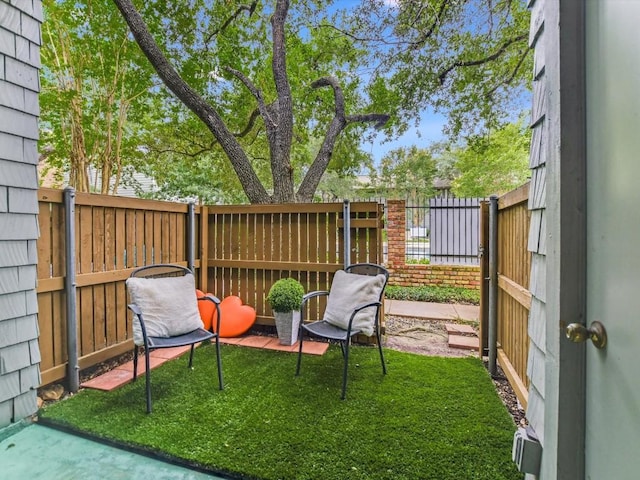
(513, 299)
(113, 235)
(235, 250)
(249, 247)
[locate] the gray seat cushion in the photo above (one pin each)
(348, 291)
(169, 306)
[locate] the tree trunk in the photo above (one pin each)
(280, 142)
(251, 184)
(277, 116)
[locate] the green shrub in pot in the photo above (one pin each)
(285, 298)
(286, 295)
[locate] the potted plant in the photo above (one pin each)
(285, 298)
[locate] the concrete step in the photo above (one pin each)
(459, 329)
(464, 342)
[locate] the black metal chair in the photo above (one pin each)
(343, 331)
(145, 331)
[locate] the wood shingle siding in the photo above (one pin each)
(19, 86)
(537, 242)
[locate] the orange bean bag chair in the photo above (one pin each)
(236, 318)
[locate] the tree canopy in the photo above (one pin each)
(405, 173)
(468, 59)
(258, 63)
(260, 99)
(94, 88)
(494, 163)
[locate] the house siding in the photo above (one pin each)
(536, 364)
(19, 86)
(555, 366)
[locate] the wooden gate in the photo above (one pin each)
(513, 296)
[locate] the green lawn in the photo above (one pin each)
(428, 418)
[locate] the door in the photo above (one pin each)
(612, 429)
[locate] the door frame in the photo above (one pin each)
(565, 372)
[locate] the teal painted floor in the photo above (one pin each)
(38, 451)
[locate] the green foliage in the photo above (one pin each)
(285, 295)
(430, 293)
(94, 93)
(469, 60)
(405, 173)
(419, 261)
(202, 41)
(430, 417)
(494, 163)
(335, 186)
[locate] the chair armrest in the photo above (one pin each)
(216, 301)
(135, 309)
(366, 305)
(362, 307)
(211, 298)
(306, 298)
(138, 313)
(310, 295)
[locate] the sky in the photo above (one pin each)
(428, 130)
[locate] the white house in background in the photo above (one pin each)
(130, 187)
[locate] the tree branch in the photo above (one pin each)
(257, 94)
(251, 184)
(250, 124)
(380, 119)
(242, 8)
(481, 61)
(513, 73)
(340, 121)
(427, 35)
(280, 139)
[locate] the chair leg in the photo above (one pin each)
(147, 364)
(135, 363)
(191, 355)
(384, 365)
(345, 349)
(301, 335)
(219, 363)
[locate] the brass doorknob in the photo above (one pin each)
(578, 333)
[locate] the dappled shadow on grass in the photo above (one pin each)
(428, 417)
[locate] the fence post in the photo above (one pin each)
(191, 237)
(483, 334)
(396, 233)
(346, 222)
(73, 368)
(493, 284)
(204, 248)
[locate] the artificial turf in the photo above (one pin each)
(428, 418)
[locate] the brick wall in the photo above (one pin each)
(409, 275)
(19, 86)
